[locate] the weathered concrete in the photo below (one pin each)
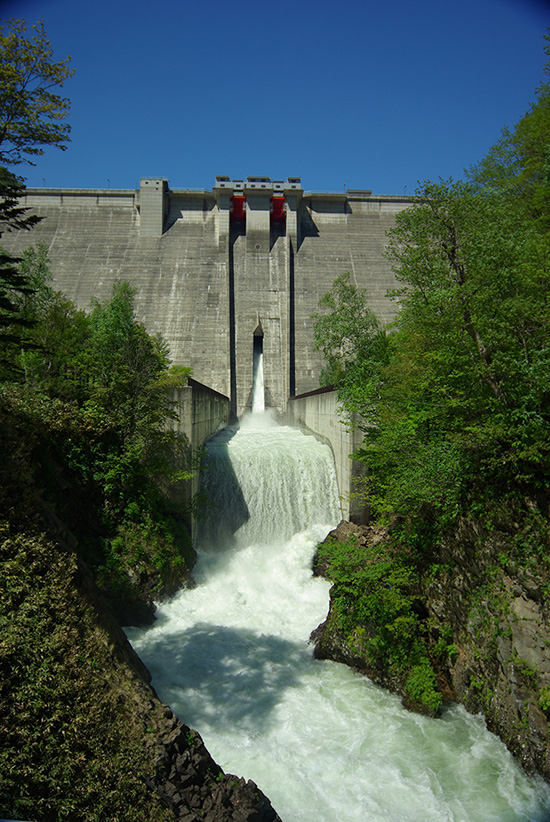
(200, 412)
(207, 281)
(319, 413)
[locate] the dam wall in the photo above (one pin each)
(319, 413)
(220, 273)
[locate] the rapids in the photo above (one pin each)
(231, 657)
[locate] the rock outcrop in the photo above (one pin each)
(328, 641)
(193, 786)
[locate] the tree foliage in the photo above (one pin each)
(32, 114)
(457, 400)
(97, 391)
(519, 162)
(470, 363)
(14, 290)
(12, 214)
(455, 406)
(354, 346)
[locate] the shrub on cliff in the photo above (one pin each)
(376, 609)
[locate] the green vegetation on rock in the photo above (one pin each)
(71, 742)
(376, 607)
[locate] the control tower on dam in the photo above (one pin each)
(222, 274)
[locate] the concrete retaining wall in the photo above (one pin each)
(318, 413)
(200, 412)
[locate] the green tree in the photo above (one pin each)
(519, 162)
(59, 361)
(25, 295)
(12, 214)
(458, 407)
(354, 346)
(94, 399)
(32, 114)
(34, 266)
(129, 366)
(14, 289)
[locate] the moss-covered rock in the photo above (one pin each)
(494, 600)
(377, 622)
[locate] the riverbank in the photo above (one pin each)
(478, 618)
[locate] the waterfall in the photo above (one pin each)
(232, 659)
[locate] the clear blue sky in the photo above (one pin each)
(345, 94)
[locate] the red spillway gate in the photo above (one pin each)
(278, 211)
(238, 203)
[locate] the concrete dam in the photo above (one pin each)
(220, 273)
(223, 275)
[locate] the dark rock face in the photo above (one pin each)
(193, 786)
(500, 625)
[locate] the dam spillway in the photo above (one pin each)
(232, 659)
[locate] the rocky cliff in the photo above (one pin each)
(497, 610)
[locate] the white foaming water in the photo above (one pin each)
(232, 659)
(258, 392)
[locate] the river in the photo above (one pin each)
(231, 657)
